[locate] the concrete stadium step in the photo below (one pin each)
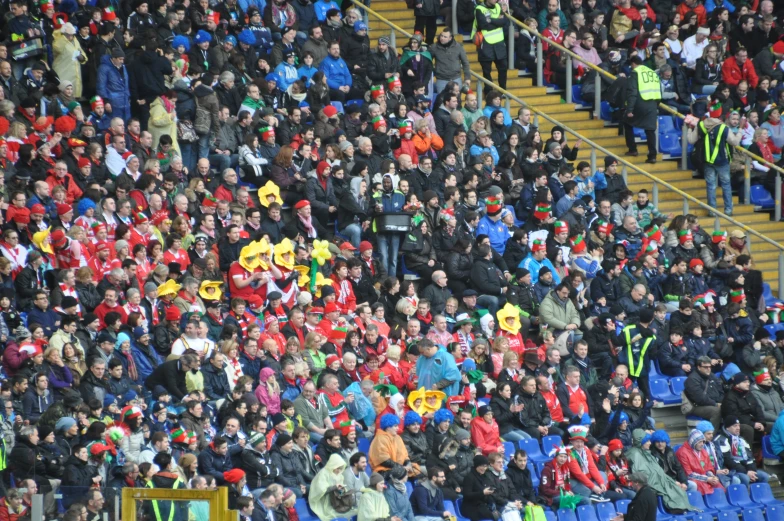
(606, 135)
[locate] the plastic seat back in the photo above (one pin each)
(774, 512)
(761, 493)
(727, 515)
(605, 511)
(549, 442)
(567, 514)
(622, 505)
(753, 514)
(738, 495)
(677, 383)
(586, 513)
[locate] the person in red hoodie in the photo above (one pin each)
(587, 481)
(484, 432)
(739, 67)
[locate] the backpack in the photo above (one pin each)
(203, 120)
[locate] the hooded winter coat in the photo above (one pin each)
(77, 479)
(288, 468)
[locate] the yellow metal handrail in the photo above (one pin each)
(612, 77)
(596, 146)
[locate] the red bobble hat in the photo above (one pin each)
(63, 209)
(173, 314)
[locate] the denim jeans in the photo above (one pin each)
(515, 436)
(722, 172)
(222, 162)
(440, 84)
(187, 151)
(491, 302)
(204, 146)
(743, 479)
(388, 247)
(354, 234)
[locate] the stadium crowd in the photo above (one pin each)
(240, 242)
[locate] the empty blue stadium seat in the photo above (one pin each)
(567, 514)
(549, 442)
(660, 390)
(301, 506)
(718, 500)
(738, 496)
(534, 477)
(450, 507)
(666, 124)
(655, 370)
(762, 494)
(677, 383)
(605, 111)
(586, 513)
(539, 466)
(774, 513)
(550, 515)
(622, 505)
(363, 445)
(531, 446)
(670, 143)
(639, 133)
(727, 515)
(605, 511)
(695, 499)
(704, 517)
(761, 197)
(753, 514)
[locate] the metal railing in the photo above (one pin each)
(657, 183)
(597, 103)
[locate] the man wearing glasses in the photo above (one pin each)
(704, 390)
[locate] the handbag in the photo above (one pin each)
(341, 500)
(185, 132)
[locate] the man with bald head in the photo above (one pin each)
(437, 292)
(637, 299)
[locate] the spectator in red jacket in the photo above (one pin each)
(739, 67)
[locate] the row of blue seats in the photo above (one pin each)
(761, 505)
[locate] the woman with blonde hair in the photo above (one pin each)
(187, 467)
(311, 353)
(479, 354)
(268, 390)
(59, 374)
(500, 348)
(73, 358)
(233, 369)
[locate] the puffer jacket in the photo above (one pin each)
(416, 444)
(77, 479)
(744, 406)
(112, 84)
(458, 266)
(769, 400)
(132, 445)
(288, 466)
(258, 468)
(216, 382)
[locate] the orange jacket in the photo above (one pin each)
(423, 143)
(699, 10)
(407, 146)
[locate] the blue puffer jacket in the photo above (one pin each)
(336, 71)
(113, 84)
(776, 437)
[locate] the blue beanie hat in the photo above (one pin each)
(660, 435)
(359, 25)
(84, 205)
(389, 420)
(129, 395)
(202, 36)
(122, 337)
(247, 37)
(272, 77)
(181, 40)
(645, 439)
(230, 39)
(64, 423)
(443, 415)
(109, 399)
(705, 426)
(412, 418)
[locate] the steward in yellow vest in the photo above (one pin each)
(643, 93)
(636, 347)
(490, 28)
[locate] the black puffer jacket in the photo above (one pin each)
(258, 468)
(288, 467)
(521, 481)
(458, 266)
(26, 462)
(416, 444)
(503, 415)
(77, 479)
(378, 65)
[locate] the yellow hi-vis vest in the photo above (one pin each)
(634, 372)
(648, 83)
(711, 155)
(155, 508)
(496, 35)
